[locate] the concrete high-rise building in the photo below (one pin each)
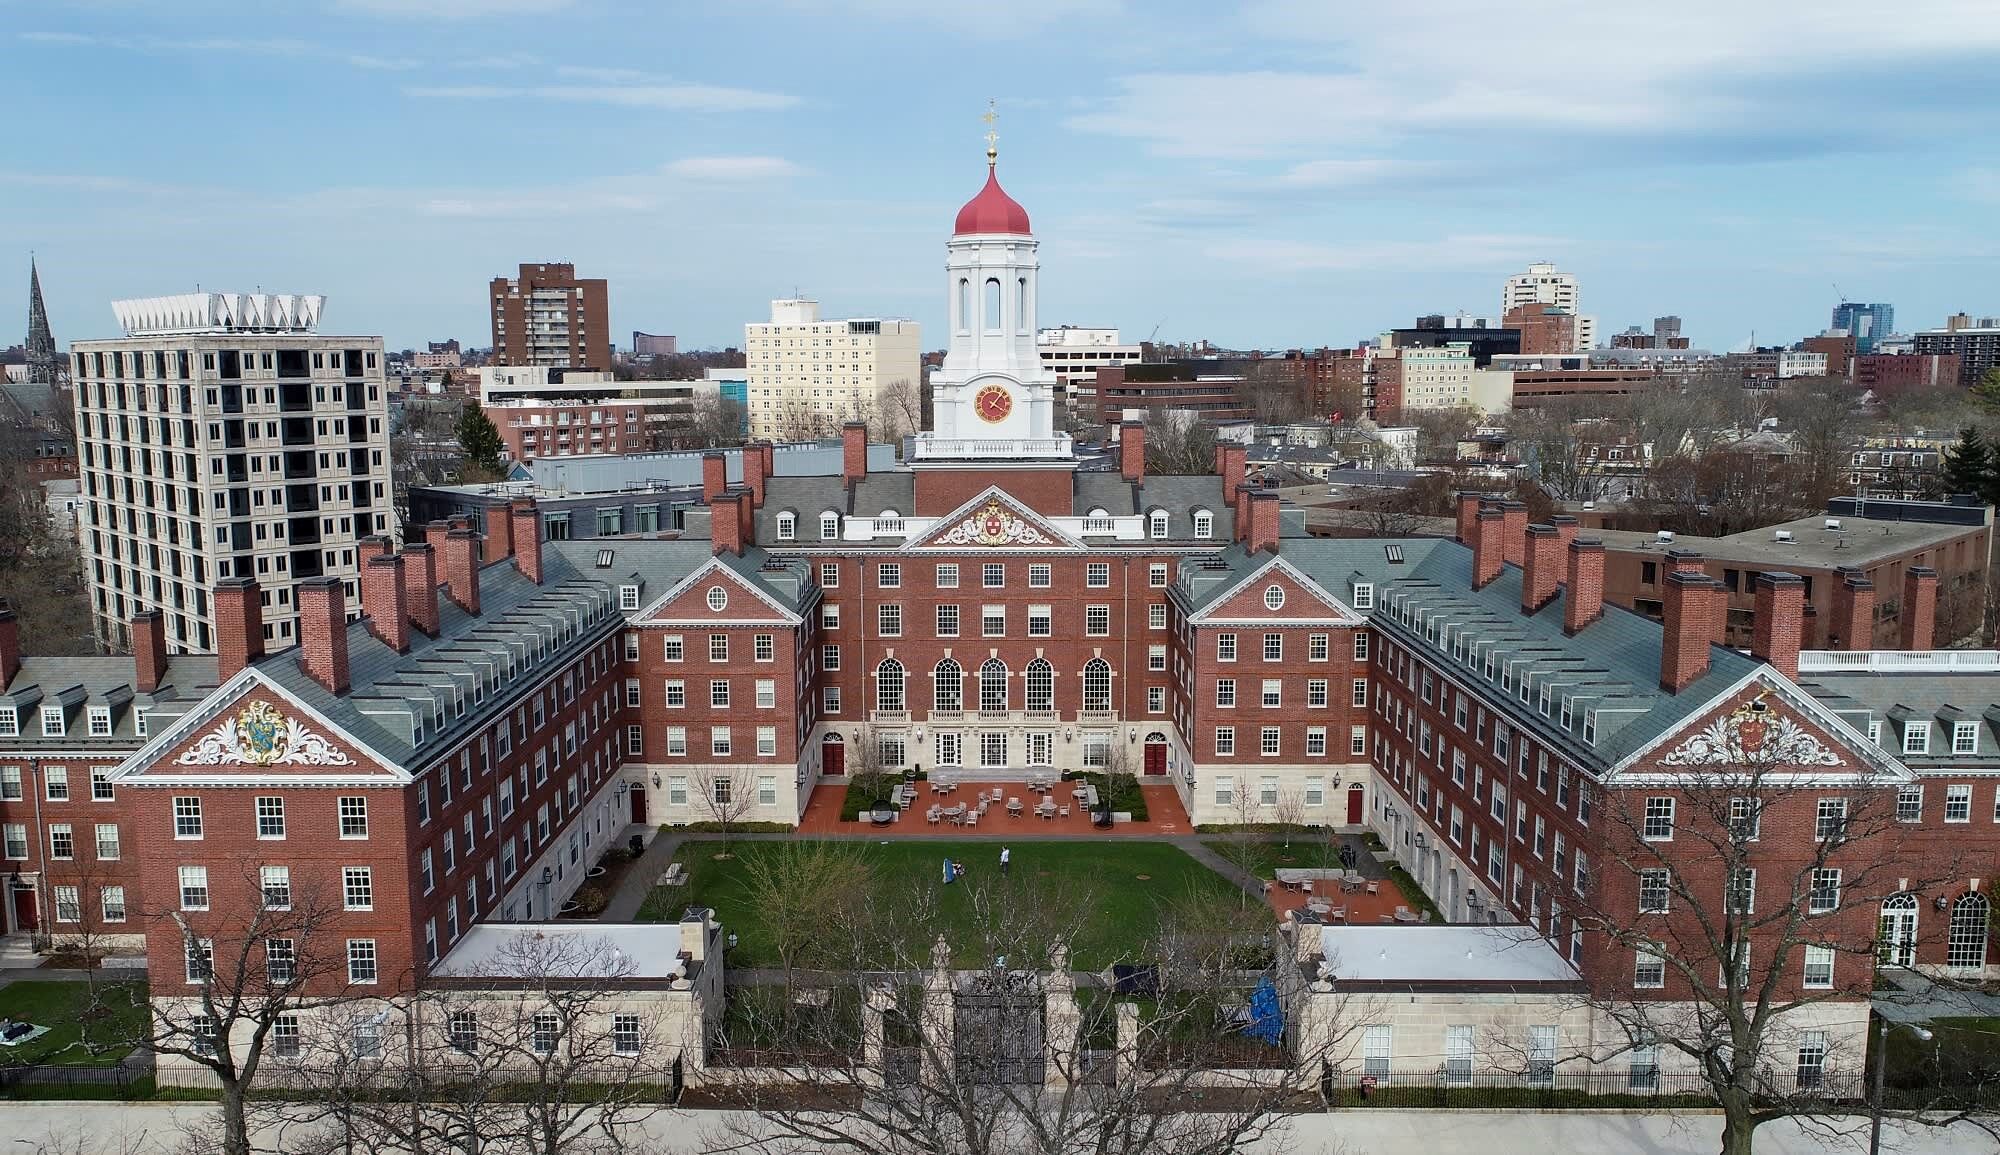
(1543, 284)
(654, 344)
(223, 436)
(1866, 323)
(548, 316)
(807, 375)
(1075, 354)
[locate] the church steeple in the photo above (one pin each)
(41, 343)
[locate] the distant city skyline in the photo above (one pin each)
(1273, 174)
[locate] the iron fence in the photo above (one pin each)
(1440, 1087)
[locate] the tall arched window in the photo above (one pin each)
(1896, 945)
(889, 686)
(964, 305)
(993, 686)
(1097, 684)
(948, 686)
(1021, 305)
(1965, 945)
(992, 320)
(1041, 686)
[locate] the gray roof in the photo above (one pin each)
(1179, 495)
(808, 497)
(1860, 541)
(82, 683)
(657, 565)
(1901, 690)
(1610, 670)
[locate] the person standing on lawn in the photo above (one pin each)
(1005, 856)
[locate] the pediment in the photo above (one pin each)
(252, 731)
(690, 602)
(1765, 725)
(994, 520)
(1300, 601)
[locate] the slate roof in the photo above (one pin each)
(83, 682)
(1936, 698)
(1609, 671)
(1179, 495)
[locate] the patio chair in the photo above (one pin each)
(1065, 810)
(972, 819)
(1339, 914)
(934, 815)
(1423, 916)
(1374, 888)
(1014, 805)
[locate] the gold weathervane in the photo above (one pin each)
(992, 135)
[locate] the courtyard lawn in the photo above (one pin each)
(1263, 858)
(1125, 906)
(61, 1007)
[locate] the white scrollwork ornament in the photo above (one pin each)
(260, 736)
(1753, 734)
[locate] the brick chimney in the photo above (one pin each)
(1541, 572)
(369, 548)
(1918, 624)
(385, 601)
(461, 569)
(1584, 602)
(1263, 519)
(323, 632)
(1686, 561)
(499, 541)
(1693, 611)
(1468, 517)
(1230, 464)
(1514, 516)
(1853, 623)
(524, 522)
(1778, 632)
(853, 451)
(239, 625)
(714, 476)
(149, 650)
(434, 535)
(1565, 530)
(755, 467)
(1487, 551)
(725, 523)
(1132, 450)
(420, 587)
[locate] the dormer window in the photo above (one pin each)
(1364, 595)
(1916, 737)
(100, 721)
(1204, 524)
(10, 721)
(788, 526)
(829, 526)
(53, 725)
(628, 597)
(1156, 523)
(1965, 737)
(139, 721)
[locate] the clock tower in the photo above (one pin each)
(992, 401)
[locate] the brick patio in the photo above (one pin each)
(1165, 815)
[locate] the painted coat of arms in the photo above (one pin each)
(994, 524)
(1753, 733)
(261, 736)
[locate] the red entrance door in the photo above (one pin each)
(24, 908)
(639, 804)
(833, 758)
(1354, 805)
(1156, 757)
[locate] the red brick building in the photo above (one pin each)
(1891, 373)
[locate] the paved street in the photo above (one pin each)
(156, 1129)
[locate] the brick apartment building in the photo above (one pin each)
(549, 316)
(1890, 373)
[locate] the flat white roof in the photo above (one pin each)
(639, 950)
(1441, 954)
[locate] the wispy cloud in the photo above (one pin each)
(730, 168)
(1013, 19)
(649, 93)
(451, 9)
(237, 47)
(1471, 251)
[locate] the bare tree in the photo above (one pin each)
(1823, 415)
(1289, 812)
(725, 799)
(557, 1045)
(261, 956)
(1274, 392)
(898, 410)
(1178, 444)
(1440, 430)
(796, 890)
(1561, 443)
(1737, 903)
(963, 1029)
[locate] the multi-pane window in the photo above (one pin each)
(1652, 890)
(889, 575)
(1316, 741)
(199, 959)
(718, 647)
(1818, 968)
(113, 899)
(270, 816)
(718, 693)
(1156, 616)
(993, 686)
(1659, 825)
(993, 575)
(1225, 647)
(1316, 693)
(1097, 621)
(281, 960)
(1274, 647)
(1360, 693)
(276, 882)
(69, 904)
(1830, 822)
(62, 841)
(1965, 737)
(947, 575)
(187, 816)
(1225, 741)
(1825, 894)
(357, 888)
(354, 815)
(101, 788)
(194, 887)
(1041, 576)
(1041, 622)
(1268, 741)
(1740, 891)
(1375, 1052)
(1097, 574)
(546, 1031)
(889, 620)
(107, 842)
(361, 960)
(1273, 695)
(1910, 803)
(947, 621)
(993, 621)
(1041, 686)
(1812, 1060)
(1225, 693)
(56, 778)
(1746, 818)
(1649, 970)
(1958, 802)
(624, 1034)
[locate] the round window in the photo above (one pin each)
(1274, 597)
(718, 598)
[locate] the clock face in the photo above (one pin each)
(993, 404)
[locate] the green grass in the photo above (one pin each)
(1123, 907)
(62, 1006)
(1307, 852)
(868, 792)
(1121, 790)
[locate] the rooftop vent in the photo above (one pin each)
(1781, 535)
(603, 559)
(1833, 523)
(1664, 537)
(1394, 553)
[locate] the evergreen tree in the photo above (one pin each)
(1968, 466)
(1987, 392)
(479, 439)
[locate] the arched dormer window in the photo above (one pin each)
(829, 526)
(1156, 523)
(1204, 524)
(788, 525)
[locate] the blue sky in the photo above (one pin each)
(1279, 173)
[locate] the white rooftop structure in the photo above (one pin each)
(633, 950)
(1441, 954)
(220, 313)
